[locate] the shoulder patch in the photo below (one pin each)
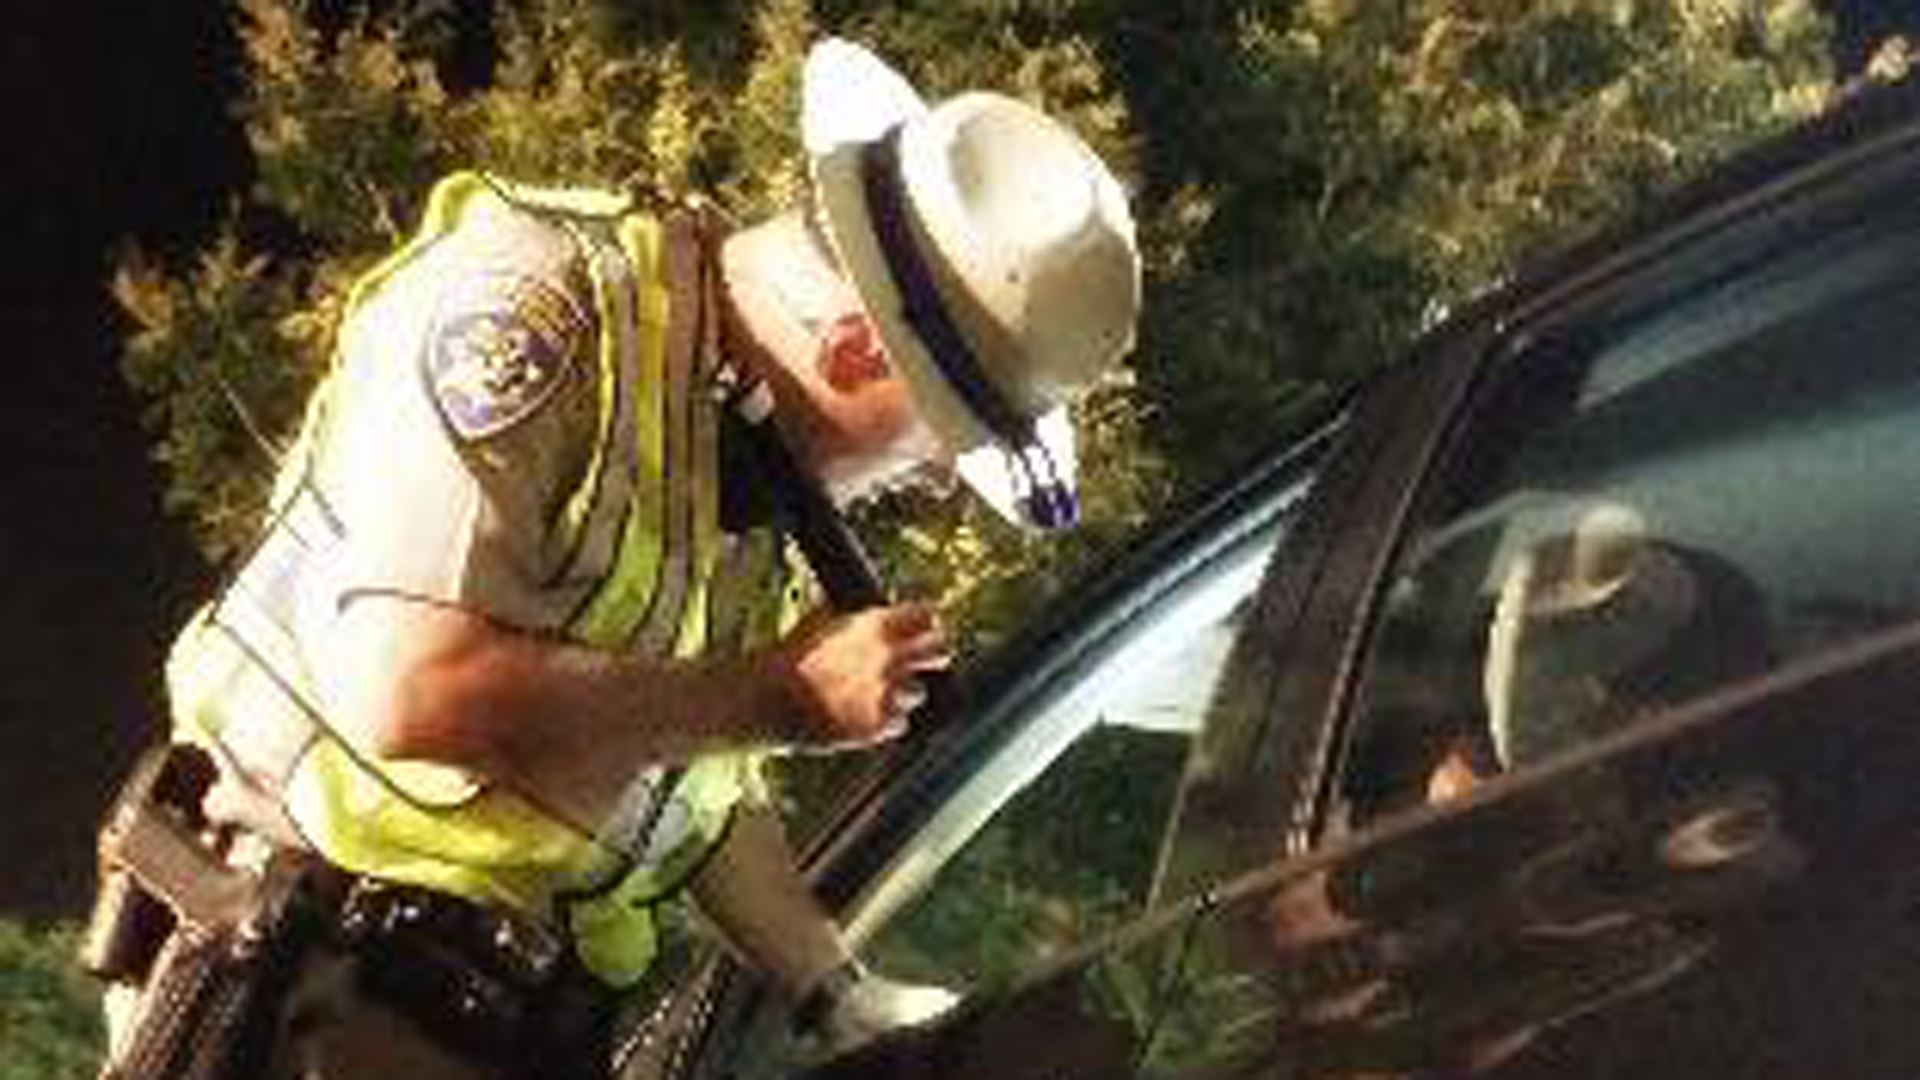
(501, 345)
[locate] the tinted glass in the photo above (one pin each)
(1652, 509)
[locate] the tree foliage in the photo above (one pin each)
(1323, 176)
(1313, 180)
(50, 1026)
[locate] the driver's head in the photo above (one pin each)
(1582, 623)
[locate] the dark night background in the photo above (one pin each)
(118, 129)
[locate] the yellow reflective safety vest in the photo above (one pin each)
(670, 581)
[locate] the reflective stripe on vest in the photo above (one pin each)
(643, 525)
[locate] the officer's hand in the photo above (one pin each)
(854, 679)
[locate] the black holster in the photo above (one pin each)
(214, 948)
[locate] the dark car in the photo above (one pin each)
(1551, 711)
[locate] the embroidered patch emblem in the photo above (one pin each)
(499, 350)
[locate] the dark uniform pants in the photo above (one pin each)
(332, 1030)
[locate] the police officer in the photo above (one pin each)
(521, 626)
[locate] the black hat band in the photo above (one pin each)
(1048, 502)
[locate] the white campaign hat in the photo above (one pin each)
(993, 251)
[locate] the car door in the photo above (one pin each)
(1590, 750)
(1620, 779)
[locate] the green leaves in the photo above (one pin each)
(223, 353)
(1323, 174)
(50, 1024)
(345, 132)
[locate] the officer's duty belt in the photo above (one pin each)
(485, 982)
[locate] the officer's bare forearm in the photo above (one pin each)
(568, 723)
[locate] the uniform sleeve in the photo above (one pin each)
(467, 414)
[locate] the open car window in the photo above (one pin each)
(1054, 838)
(1649, 510)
